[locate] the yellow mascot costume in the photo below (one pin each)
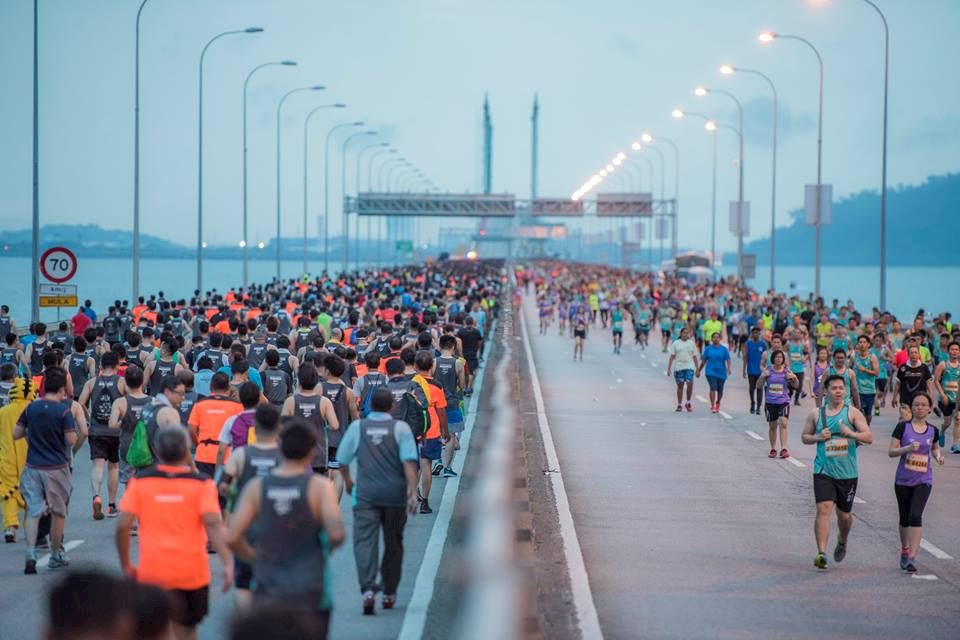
(13, 456)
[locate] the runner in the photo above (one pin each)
(579, 335)
(716, 360)
(839, 368)
(775, 382)
(437, 428)
(310, 405)
(914, 442)
(866, 370)
(881, 351)
(450, 374)
(98, 396)
(177, 509)
(798, 356)
(642, 316)
(912, 378)
(820, 366)
(298, 521)
(616, 325)
(946, 377)
(683, 354)
(752, 368)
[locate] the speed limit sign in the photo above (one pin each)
(58, 264)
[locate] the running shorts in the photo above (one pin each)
(840, 492)
(947, 408)
(105, 448)
(46, 491)
(683, 375)
(430, 449)
(190, 607)
(242, 574)
(776, 411)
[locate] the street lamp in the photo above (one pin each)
(380, 219)
(380, 172)
(279, 136)
(702, 91)
(727, 70)
(403, 165)
(356, 239)
(246, 86)
(306, 156)
(343, 194)
(203, 55)
(663, 188)
(770, 37)
(136, 158)
(326, 190)
(649, 139)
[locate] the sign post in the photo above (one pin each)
(58, 265)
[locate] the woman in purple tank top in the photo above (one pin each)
(820, 365)
(775, 381)
(916, 444)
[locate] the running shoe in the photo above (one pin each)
(449, 473)
(9, 535)
(369, 602)
(58, 560)
(97, 508)
(679, 408)
(840, 551)
(437, 469)
(876, 410)
(752, 409)
(911, 566)
(955, 448)
(714, 408)
(820, 562)
(904, 560)
(425, 506)
(689, 407)
(389, 602)
(942, 440)
(112, 511)
(30, 568)
(772, 454)
(784, 454)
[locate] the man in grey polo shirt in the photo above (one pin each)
(384, 492)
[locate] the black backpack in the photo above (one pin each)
(409, 405)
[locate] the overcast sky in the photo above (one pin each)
(417, 71)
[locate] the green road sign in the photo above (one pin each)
(404, 245)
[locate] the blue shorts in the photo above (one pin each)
(683, 375)
(454, 414)
(430, 449)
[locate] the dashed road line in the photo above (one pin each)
(926, 576)
(753, 435)
(795, 462)
(67, 546)
(934, 550)
(701, 399)
(726, 415)
(859, 500)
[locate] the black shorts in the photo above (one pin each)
(332, 463)
(190, 607)
(841, 492)
(242, 574)
(207, 469)
(320, 471)
(776, 411)
(665, 333)
(577, 333)
(105, 448)
(947, 408)
(473, 363)
(881, 385)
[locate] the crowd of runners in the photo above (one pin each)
(228, 424)
(842, 364)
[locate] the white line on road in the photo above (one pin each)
(67, 546)
(795, 462)
(926, 576)
(934, 550)
(753, 435)
(653, 364)
(584, 606)
(701, 398)
(726, 415)
(859, 500)
(415, 616)
(643, 355)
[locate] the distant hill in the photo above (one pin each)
(927, 214)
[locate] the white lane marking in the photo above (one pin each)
(584, 607)
(653, 364)
(701, 398)
(67, 546)
(753, 435)
(926, 576)
(795, 462)
(859, 500)
(642, 355)
(415, 616)
(934, 550)
(726, 415)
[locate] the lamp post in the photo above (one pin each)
(136, 157)
(203, 55)
(373, 157)
(246, 85)
(883, 178)
(306, 156)
(35, 240)
(700, 92)
(343, 194)
(663, 188)
(770, 37)
(380, 173)
(728, 70)
(356, 237)
(649, 139)
(326, 190)
(279, 136)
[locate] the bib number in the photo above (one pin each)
(951, 386)
(776, 389)
(918, 462)
(836, 448)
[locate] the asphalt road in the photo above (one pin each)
(90, 545)
(688, 530)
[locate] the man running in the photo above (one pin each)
(946, 377)
(683, 354)
(98, 396)
(837, 429)
(866, 368)
(752, 368)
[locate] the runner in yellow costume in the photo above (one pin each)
(13, 456)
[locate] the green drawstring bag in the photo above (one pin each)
(138, 454)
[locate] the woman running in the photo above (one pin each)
(882, 352)
(820, 366)
(716, 359)
(776, 381)
(562, 310)
(797, 349)
(579, 335)
(616, 325)
(914, 442)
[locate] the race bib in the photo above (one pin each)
(836, 447)
(776, 389)
(951, 386)
(918, 462)
(796, 356)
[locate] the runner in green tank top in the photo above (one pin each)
(946, 377)
(836, 429)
